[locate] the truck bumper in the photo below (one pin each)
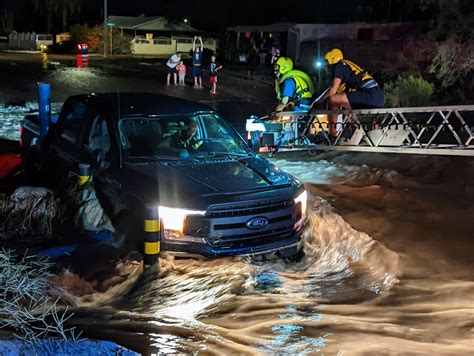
(190, 249)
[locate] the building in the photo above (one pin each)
(158, 36)
(292, 35)
(29, 41)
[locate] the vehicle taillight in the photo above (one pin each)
(21, 135)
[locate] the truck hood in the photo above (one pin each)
(195, 185)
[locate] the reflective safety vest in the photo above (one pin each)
(304, 85)
(357, 79)
(192, 143)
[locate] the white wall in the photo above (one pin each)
(176, 45)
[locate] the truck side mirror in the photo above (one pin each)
(100, 161)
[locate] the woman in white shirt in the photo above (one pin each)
(171, 68)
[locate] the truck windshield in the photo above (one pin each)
(178, 137)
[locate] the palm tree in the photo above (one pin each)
(6, 18)
(48, 8)
(68, 8)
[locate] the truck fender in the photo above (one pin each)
(128, 223)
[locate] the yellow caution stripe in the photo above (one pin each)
(84, 179)
(152, 225)
(152, 248)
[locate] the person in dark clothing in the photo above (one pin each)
(252, 62)
(197, 61)
(262, 52)
(352, 87)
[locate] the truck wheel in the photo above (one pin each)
(128, 231)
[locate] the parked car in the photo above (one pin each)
(43, 40)
(68, 47)
(215, 197)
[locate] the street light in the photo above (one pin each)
(319, 64)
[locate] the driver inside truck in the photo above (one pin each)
(184, 140)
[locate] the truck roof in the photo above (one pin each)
(139, 103)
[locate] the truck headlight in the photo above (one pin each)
(303, 199)
(173, 218)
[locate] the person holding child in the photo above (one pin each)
(171, 68)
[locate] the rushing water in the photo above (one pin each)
(388, 268)
(409, 290)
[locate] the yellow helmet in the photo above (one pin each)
(283, 65)
(333, 56)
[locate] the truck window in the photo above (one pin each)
(73, 119)
(99, 138)
(178, 137)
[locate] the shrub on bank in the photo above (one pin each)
(26, 305)
(408, 92)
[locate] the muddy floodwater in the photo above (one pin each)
(388, 268)
(388, 265)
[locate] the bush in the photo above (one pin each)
(121, 44)
(452, 63)
(407, 92)
(94, 37)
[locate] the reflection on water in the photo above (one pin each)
(82, 60)
(44, 60)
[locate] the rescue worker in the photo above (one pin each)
(185, 141)
(352, 87)
(294, 88)
(186, 138)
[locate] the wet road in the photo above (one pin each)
(388, 266)
(236, 99)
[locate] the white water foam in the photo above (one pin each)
(12, 115)
(325, 172)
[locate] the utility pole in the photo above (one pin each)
(105, 28)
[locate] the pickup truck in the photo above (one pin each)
(215, 197)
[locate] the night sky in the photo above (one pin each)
(216, 15)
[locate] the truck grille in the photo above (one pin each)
(225, 225)
(255, 207)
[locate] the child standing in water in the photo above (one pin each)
(181, 68)
(215, 67)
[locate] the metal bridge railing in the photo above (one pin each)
(426, 130)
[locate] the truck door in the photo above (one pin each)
(100, 151)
